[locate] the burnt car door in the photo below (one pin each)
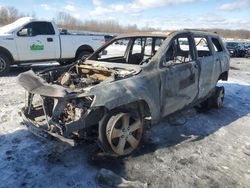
(206, 60)
(179, 74)
(221, 58)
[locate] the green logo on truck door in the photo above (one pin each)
(37, 46)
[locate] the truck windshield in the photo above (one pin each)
(18, 23)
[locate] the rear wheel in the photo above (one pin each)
(4, 64)
(62, 63)
(215, 101)
(83, 55)
(205, 105)
(218, 97)
(121, 132)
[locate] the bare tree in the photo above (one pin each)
(66, 20)
(3, 15)
(110, 26)
(241, 34)
(12, 14)
(8, 15)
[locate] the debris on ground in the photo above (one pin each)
(107, 178)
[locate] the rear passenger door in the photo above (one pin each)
(206, 60)
(179, 75)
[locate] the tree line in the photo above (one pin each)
(10, 14)
(65, 20)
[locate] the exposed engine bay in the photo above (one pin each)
(82, 76)
(59, 100)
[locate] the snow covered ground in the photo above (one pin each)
(190, 149)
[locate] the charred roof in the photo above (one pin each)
(166, 34)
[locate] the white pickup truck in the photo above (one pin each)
(30, 40)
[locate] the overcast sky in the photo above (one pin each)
(165, 14)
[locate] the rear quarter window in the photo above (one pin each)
(217, 45)
(202, 46)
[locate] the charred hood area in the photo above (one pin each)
(59, 99)
(62, 81)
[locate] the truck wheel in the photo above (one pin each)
(4, 64)
(120, 132)
(83, 55)
(218, 97)
(62, 63)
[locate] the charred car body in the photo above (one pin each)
(118, 86)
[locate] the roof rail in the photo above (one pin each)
(203, 30)
(196, 30)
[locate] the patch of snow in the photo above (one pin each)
(209, 149)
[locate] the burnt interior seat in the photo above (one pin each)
(136, 59)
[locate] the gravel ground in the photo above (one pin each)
(189, 149)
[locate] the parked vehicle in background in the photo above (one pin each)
(128, 80)
(236, 49)
(247, 53)
(31, 40)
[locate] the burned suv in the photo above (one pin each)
(133, 77)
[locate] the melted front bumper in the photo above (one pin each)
(41, 131)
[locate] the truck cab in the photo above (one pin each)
(30, 40)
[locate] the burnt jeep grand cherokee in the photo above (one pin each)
(128, 79)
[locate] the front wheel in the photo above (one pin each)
(121, 132)
(4, 64)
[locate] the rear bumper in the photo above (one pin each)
(44, 133)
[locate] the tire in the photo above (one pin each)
(120, 132)
(218, 98)
(61, 62)
(204, 106)
(215, 101)
(83, 55)
(4, 64)
(102, 138)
